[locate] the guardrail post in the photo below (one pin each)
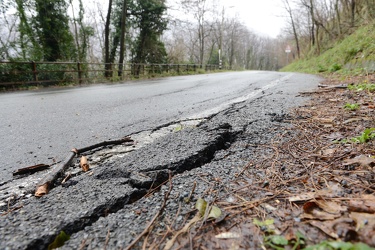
(79, 73)
(35, 72)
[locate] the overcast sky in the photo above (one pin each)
(263, 16)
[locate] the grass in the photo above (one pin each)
(352, 55)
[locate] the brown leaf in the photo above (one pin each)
(329, 151)
(362, 160)
(42, 190)
(335, 136)
(335, 190)
(83, 163)
(365, 205)
(324, 120)
(326, 227)
(315, 210)
(302, 197)
(330, 206)
(365, 225)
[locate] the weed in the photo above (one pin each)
(352, 106)
(178, 128)
(321, 69)
(338, 245)
(280, 242)
(366, 136)
(362, 87)
(335, 67)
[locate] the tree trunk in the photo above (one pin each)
(122, 41)
(338, 15)
(108, 71)
(294, 28)
(352, 9)
(312, 23)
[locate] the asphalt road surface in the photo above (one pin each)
(234, 111)
(41, 126)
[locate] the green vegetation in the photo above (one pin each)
(338, 245)
(352, 55)
(351, 106)
(59, 240)
(279, 242)
(366, 136)
(362, 87)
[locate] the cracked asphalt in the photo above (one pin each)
(107, 207)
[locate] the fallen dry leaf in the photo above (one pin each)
(365, 205)
(41, 190)
(362, 160)
(328, 151)
(83, 163)
(324, 120)
(326, 227)
(330, 206)
(357, 119)
(365, 225)
(334, 190)
(313, 211)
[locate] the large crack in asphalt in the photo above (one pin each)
(84, 199)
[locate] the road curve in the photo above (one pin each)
(41, 126)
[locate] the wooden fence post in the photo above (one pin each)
(35, 72)
(79, 72)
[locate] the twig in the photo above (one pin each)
(103, 144)
(107, 240)
(147, 229)
(43, 187)
(31, 169)
(185, 229)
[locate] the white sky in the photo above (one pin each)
(263, 16)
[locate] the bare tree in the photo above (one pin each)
(293, 24)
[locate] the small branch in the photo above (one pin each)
(147, 229)
(340, 86)
(47, 182)
(31, 169)
(103, 144)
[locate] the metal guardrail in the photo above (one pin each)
(52, 73)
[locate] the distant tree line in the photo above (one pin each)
(115, 32)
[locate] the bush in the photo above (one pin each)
(335, 67)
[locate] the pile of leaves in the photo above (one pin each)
(311, 188)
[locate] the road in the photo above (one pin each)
(241, 109)
(41, 126)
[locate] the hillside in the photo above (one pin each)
(353, 55)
